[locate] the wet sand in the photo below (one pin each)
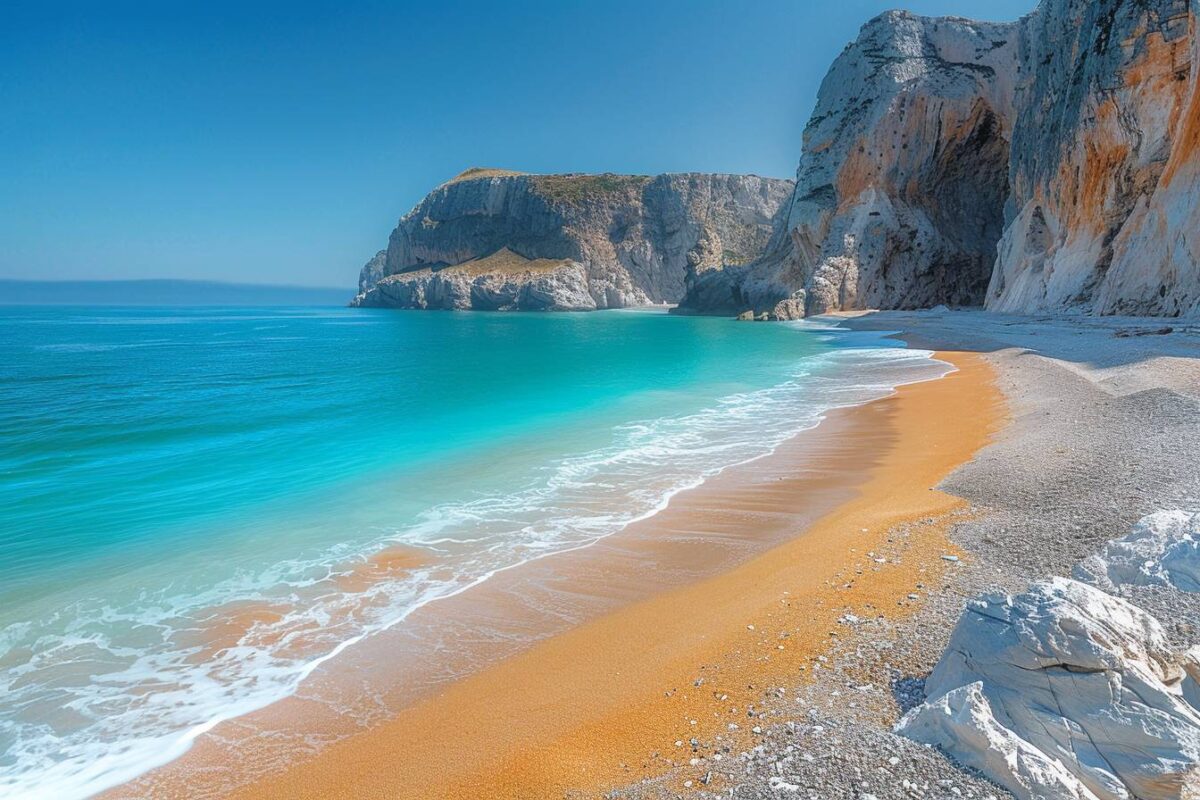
(580, 672)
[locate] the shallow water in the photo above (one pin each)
(188, 497)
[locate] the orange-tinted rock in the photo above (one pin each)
(1048, 164)
(1095, 228)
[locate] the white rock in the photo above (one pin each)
(1065, 692)
(962, 723)
(780, 785)
(1162, 549)
(1191, 683)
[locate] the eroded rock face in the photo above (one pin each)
(540, 286)
(1050, 164)
(373, 271)
(1065, 692)
(1103, 163)
(569, 242)
(900, 192)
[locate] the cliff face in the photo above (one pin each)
(1100, 163)
(1046, 164)
(504, 241)
(900, 190)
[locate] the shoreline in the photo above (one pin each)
(765, 413)
(1091, 402)
(607, 722)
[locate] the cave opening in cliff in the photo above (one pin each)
(969, 194)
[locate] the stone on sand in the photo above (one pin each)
(1065, 692)
(1163, 549)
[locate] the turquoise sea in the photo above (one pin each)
(164, 469)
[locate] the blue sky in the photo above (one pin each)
(279, 142)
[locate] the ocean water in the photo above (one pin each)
(189, 497)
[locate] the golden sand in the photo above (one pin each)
(602, 704)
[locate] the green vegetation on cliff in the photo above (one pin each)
(577, 189)
(476, 173)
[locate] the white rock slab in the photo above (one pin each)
(1065, 692)
(1163, 549)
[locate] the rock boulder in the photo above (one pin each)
(1163, 549)
(1065, 692)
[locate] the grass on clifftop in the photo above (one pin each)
(474, 173)
(501, 262)
(506, 262)
(575, 189)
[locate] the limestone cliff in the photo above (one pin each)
(1103, 210)
(1045, 164)
(900, 190)
(498, 240)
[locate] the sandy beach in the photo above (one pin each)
(670, 632)
(604, 704)
(769, 627)
(413, 401)
(1103, 421)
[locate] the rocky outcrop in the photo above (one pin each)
(373, 271)
(1163, 549)
(1048, 164)
(498, 240)
(901, 186)
(1065, 692)
(502, 281)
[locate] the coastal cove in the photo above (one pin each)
(844, 445)
(752, 572)
(212, 594)
(609, 698)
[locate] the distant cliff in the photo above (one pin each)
(1050, 164)
(499, 240)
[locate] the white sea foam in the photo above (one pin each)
(96, 694)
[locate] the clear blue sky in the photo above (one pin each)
(279, 142)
